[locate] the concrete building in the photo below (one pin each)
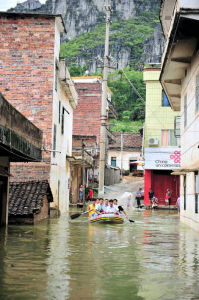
(180, 80)
(86, 130)
(126, 151)
(20, 141)
(38, 84)
(161, 151)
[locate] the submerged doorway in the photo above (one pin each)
(3, 199)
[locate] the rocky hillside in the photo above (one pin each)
(136, 36)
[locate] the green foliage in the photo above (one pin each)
(130, 34)
(126, 126)
(77, 70)
(127, 103)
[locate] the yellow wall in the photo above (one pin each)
(157, 117)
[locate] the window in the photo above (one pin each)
(62, 121)
(168, 138)
(196, 191)
(165, 101)
(185, 111)
(177, 124)
(197, 93)
(113, 161)
(56, 73)
(185, 194)
(54, 139)
(59, 112)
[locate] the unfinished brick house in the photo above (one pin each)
(37, 83)
(86, 130)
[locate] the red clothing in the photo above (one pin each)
(90, 194)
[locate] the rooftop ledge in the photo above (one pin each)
(67, 83)
(182, 43)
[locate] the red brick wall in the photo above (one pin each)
(27, 72)
(86, 118)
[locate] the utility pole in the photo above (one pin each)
(103, 133)
(83, 171)
(121, 154)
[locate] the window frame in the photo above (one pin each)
(185, 192)
(196, 176)
(185, 111)
(197, 94)
(114, 158)
(164, 94)
(54, 139)
(169, 131)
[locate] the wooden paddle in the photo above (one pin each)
(75, 216)
(122, 210)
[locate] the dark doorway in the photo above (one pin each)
(133, 166)
(3, 200)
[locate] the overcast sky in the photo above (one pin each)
(6, 4)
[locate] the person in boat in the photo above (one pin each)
(115, 203)
(111, 208)
(97, 201)
(105, 205)
(99, 206)
(92, 208)
(121, 210)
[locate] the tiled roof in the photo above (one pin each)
(26, 198)
(130, 140)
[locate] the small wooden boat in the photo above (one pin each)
(107, 218)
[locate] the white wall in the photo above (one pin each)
(127, 156)
(60, 167)
(189, 144)
(189, 3)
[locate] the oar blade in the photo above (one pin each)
(75, 216)
(131, 221)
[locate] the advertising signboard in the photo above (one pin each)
(162, 158)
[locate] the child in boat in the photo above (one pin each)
(111, 209)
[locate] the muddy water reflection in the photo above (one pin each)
(155, 258)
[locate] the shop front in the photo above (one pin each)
(159, 164)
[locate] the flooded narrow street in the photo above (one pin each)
(155, 258)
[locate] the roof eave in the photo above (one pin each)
(173, 64)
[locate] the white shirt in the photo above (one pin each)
(111, 209)
(116, 206)
(105, 207)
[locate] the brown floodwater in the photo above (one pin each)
(155, 258)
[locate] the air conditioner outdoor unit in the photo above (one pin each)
(153, 141)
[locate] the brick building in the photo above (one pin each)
(38, 84)
(86, 128)
(20, 141)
